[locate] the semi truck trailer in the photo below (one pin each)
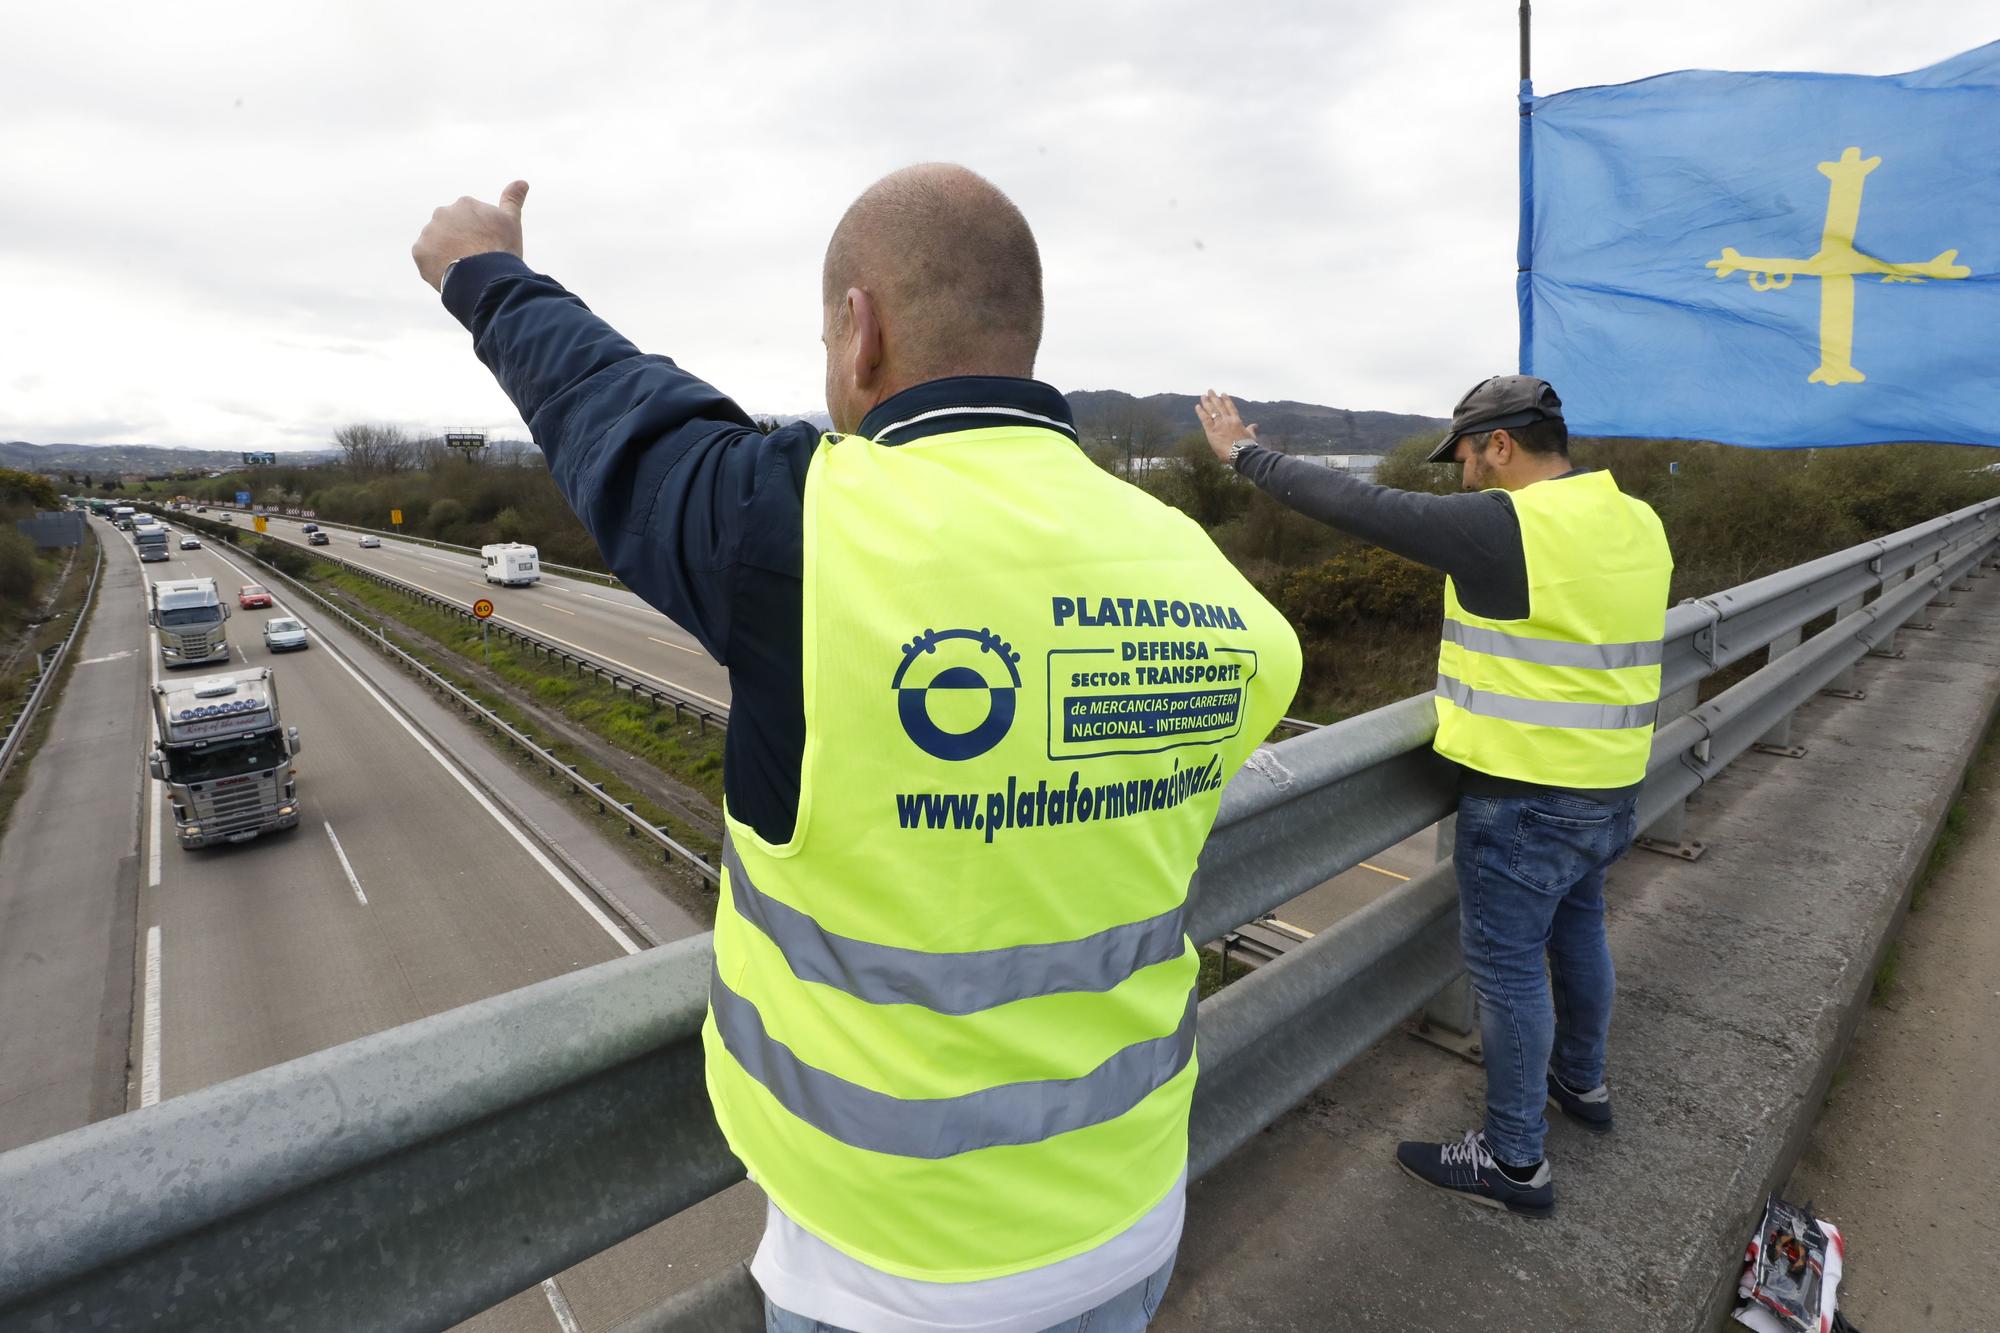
(225, 757)
(187, 616)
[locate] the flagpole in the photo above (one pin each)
(1524, 243)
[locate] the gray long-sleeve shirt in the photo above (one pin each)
(1472, 536)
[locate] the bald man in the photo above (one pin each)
(985, 698)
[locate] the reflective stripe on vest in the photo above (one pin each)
(1567, 695)
(1544, 712)
(953, 983)
(1553, 652)
(934, 1127)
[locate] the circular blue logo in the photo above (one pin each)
(953, 701)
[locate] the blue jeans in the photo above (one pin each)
(1530, 886)
(1127, 1312)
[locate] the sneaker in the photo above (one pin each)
(1590, 1109)
(1466, 1169)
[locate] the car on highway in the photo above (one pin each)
(229, 518)
(318, 539)
(201, 509)
(190, 543)
(308, 527)
(371, 542)
(282, 634)
(252, 595)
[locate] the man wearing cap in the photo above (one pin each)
(1548, 680)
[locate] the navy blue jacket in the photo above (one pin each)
(695, 509)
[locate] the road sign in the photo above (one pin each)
(242, 499)
(482, 608)
(395, 518)
(261, 523)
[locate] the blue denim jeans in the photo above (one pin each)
(1530, 889)
(1127, 1312)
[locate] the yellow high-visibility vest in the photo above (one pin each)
(951, 1027)
(1567, 696)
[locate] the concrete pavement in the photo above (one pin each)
(1742, 976)
(1906, 1157)
(68, 869)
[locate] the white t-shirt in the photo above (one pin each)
(802, 1273)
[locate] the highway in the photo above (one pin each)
(610, 624)
(405, 891)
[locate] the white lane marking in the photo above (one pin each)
(149, 1030)
(560, 1304)
(345, 865)
(108, 657)
(553, 607)
(683, 647)
(153, 786)
(568, 885)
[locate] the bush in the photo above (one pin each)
(446, 514)
(19, 571)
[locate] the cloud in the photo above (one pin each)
(210, 206)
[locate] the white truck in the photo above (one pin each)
(150, 540)
(121, 517)
(186, 616)
(225, 757)
(512, 564)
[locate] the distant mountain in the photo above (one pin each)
(1305, 428)
(117, 458)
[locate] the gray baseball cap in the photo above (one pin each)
(1500, 403)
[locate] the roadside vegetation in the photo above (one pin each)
(41, 594)
(1368, 620)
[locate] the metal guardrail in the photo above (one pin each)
(575, 571)
(417, 1176)
(17, 728)
(684, 704)
(606, 803)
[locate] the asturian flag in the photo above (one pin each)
(1776, 260)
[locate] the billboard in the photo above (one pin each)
(253, 459)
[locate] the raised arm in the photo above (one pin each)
(667, 474)
(1475, 537)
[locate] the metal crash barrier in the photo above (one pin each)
(415, 1177)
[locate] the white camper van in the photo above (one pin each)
(512, 564)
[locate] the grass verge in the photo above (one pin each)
(69, 597)
(449, 646)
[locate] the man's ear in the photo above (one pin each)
(1500, 448)
(864, 340)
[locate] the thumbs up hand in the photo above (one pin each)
(469, 227)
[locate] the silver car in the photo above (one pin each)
(282, 634)
(190, 543)
(371, 542)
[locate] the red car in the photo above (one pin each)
(252, 595)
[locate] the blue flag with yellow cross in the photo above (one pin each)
(1776, 260)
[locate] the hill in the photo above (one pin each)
(119, 458)
(1306, 428)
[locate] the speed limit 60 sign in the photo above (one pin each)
(482, 608)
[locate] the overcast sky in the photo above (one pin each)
(206, 210)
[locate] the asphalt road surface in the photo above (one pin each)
(610, 624)
(403, 892)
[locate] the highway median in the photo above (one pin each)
(617, 747)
